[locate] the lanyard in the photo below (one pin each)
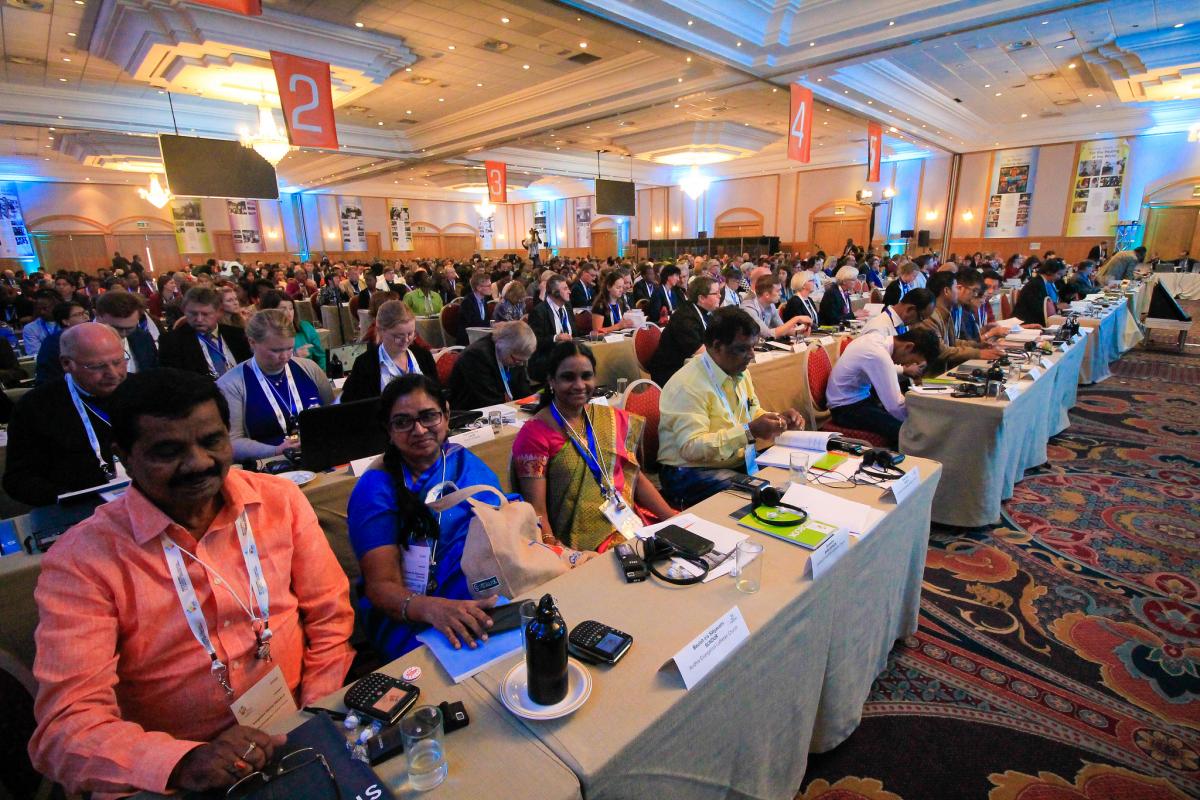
(220, 350)
(811, 307)
(90, 431)
(191, 605)
(703, 322)
(47, 328)
(667, 295)
(589, 451)
(508, 395)
(388, 365)
(434, 494)
(956, 315)
(705, 360)
(614, 313)
(897, 323)
(292, 401)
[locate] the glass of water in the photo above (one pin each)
(799, 465)
(496, 419)
(747, 569)
(421, 732)
(528, 612)
(622, 384)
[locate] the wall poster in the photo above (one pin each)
(1096, 189)
(583, 222)
(1010, 193)
(15, 241)
(399, 225)
(354, 227)
(487, 232)
(191, 234)
(245, 226)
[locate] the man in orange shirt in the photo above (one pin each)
(171, 602)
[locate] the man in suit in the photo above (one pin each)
(1031, 301)
(122, 311)
(1085, 273)
(551, 323)
(643, 287)
(906, 280)
(492, 370)
(667, 297)
(201, 344)
(473, 312)
(684, 335)
(835, 307)
(583, 291)
(59, 438)
(952, 352)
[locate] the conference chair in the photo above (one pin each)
(583, 321)
(846, 340)
(642, 305)
(642, 397)
(645, 342)
(1006, 306)
(451, 321)
(819, 368)
(17, 690)
(490, 308)
(1049, 309)
(446, 359)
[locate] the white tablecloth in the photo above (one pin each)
(1106, 342)
(1181, 285)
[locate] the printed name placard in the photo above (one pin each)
(825, 556)
(903, 487)
(1034, 373)
(702, 655)
(1045, 362)
(474, 436)
(1011, 392)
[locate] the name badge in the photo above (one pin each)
(751, 460)
(621, 516)
(825, 556)
(268, 701)
(416, 565)
(901, 488)
(1011, 392)
(702, 655)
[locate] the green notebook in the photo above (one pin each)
(810, 534)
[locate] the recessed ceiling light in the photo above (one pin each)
(987, 86)
(690, 23)
(583, 45)
(1059, 46)
(524, 66)
(676, 105)
(358, 25)
(812, 44)
(1177, 25)
(774, 89)
(1023, 116)
(890, 24)
(1071, 65)
(409, 111)
(819, 80)
(679, 80)
(379, 123)
(72, 34)
(66, 59)
(504, 20)
(1089, 94)
(450, 47)
(738, 44)
(441, 99)
(479, 85)
(62, 80)
(1097, 105)
(999, 93)
(1045, 22)
(870, 102)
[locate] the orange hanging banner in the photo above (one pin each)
(249, 8)
(307, 99)
(800, 127)
(874, 150)
(497, 181)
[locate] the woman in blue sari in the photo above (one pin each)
(267, 391)
(389, 519)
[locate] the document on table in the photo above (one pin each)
(858, 518)
(724, 541)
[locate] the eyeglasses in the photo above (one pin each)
(296, 760)
(101, 366)
(402, 423)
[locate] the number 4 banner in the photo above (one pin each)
(800, 126)
(307, 99)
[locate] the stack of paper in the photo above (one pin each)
(857, 518)
(1012, 324)
(1024, 335)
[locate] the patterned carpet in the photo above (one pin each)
(1058, 655)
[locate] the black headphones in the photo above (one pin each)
(879, 462)
(655, 549)
(771, 497)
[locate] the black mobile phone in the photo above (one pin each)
(382, 697)
(598, 643)
(505, 618)
(631, 563)
(684, 540)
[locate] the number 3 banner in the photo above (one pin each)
(307, 99)
(800, 126)
(497, 181)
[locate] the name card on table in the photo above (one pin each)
(1045, 362)
(903, 487)
(1012, 392)
(825, 556)
(1034, 373)
(360, 465)
(614, 337)
(474, 436)
(800, 347)
(702, 655)
(825, 341)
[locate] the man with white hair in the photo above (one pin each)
(836, 308)
(492, 369)
(59, 437)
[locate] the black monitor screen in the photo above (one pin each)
(199, 167)
(614, 198)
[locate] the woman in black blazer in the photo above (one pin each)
(397, 354)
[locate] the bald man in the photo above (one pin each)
(59, 437)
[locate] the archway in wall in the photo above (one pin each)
(831, 224)
(1173, 220)
(460, 241)
(604, 237)
(744, 222)
(426, 240)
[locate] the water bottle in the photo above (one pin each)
(546, 654)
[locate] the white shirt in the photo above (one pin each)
(866, 363)
(886, 323)
(556, 312)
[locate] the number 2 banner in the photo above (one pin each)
(304, 91)
(800, 124)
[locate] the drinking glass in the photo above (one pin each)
(622, 384)
(528, 612)
(421, 732)
(748, 566)
(496, 419)
(799, 465)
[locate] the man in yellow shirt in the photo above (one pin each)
(710, 414)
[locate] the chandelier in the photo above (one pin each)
(156, 195)
(485, 208)
(268, 141)
(693, 183)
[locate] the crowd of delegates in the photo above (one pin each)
(171, 379)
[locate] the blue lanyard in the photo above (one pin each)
(591, 455)
(508, 395)
(614, 313)
(215, 349)
(897, 323)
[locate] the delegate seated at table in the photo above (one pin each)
(836, 306)
(202, 344)
(397, 355)
(952, 352)
(424, 300)
(710, 415)
(388, 505)
(551, 322)
(492, 370)
(267, 391)
(610, 308)
(1031, 300)
(763, 307)
(138, 638)
(307, 341)
(574, 457)
(683, 337)
(864, 386)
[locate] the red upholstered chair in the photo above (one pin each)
(645, 342)
(1006, 307)
(583, 321)
(642, 398)
(491, 307)
(446, 360)
(451, 321)
(819, 369)
(1049, 309)
(846, 340)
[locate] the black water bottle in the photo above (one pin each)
(546, 654)
(335, 369)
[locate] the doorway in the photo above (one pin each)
(1172, 231)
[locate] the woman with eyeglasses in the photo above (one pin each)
(390, 522)
(397, 355)
(804, 283)
(576, 462)
(267, 391)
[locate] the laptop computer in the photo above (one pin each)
(338, 434)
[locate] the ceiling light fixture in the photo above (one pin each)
(358, 25)
(968, 215)
(694, 183)
(812, 44)
(1177, 25)
(524, 66)
(268, 141)
(890, 24)
(583, 45)
(72, 34)
(1071, 65)
(156, 195)
(504, 20)
(690, 23)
